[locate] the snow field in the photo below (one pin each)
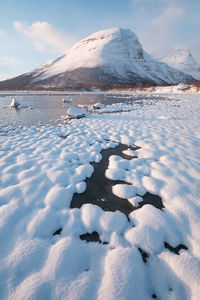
(40, 171)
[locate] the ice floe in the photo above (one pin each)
(16, 104)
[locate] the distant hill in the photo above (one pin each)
(183, 60)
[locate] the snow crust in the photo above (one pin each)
(39, 174)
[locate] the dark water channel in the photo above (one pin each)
(99, 187)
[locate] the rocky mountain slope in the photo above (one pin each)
(105, 59)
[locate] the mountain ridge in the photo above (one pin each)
(107, 58)
(182, 60)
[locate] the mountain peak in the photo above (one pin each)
(111, 57)
(182, 60)
(111, 47)
(181, 55)
(112, 31)
(110, 34)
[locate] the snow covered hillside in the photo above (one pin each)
(112, 57)
(51, 251)
(184, 61)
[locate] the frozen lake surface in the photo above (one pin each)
(48, 108)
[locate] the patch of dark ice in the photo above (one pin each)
(99, 187)
(92, 237)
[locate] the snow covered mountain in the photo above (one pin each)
(108, 58)
(184, 61)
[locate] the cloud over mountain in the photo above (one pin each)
(45, 36)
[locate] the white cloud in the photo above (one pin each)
(7, 61)
(144, 2)
(1, 32)
(169, 15)
(7, 67)
(161, 30)
(45, 37)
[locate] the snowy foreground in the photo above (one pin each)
(43, 166)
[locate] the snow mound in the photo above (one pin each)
(76, 113)
(67, 100)
(124, 191)
(97, 105)
(135, 200)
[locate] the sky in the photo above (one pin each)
(33, 32)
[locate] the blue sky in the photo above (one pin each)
(32, 32)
